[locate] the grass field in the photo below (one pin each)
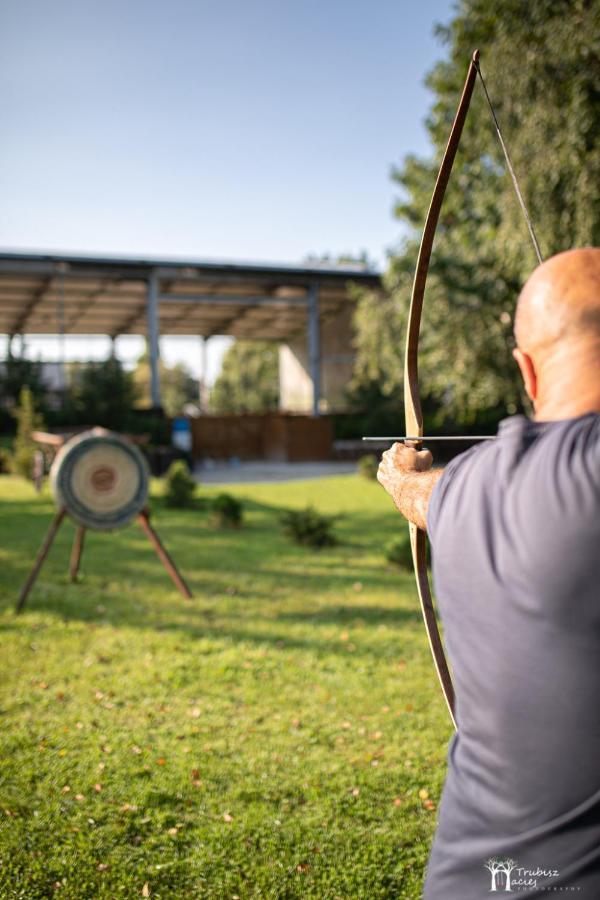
(282, 735)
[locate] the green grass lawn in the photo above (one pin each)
(282, 735)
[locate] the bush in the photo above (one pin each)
(101, 393)
(368, 465)
(180, 486)
(227, 511)
(309, 527)
(24, 448)
(398, 552)
(5, 461)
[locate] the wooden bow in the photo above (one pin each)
(413, 414)
(412, 401)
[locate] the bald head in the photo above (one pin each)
(557, 329)
(560, 301)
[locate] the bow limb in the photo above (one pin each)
(412, 401)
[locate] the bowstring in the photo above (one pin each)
(511, 170)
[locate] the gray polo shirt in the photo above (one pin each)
(515, 531)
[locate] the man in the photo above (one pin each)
(515, 530)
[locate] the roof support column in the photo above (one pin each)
(314, 346)
(203, 379)
(153, 335)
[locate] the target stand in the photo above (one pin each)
(100, 480)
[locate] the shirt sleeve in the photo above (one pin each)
(441, 490)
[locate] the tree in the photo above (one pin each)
(17, 373)
(24, 447)
(249, 378)
(102, 393)
(541, 60)
(177, 385)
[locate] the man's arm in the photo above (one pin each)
(406, 474)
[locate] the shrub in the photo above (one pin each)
(24, 447)
(368, 465)
(180, 486)
(5, 461)
(398, 552)
(309, 527)
(227, 511)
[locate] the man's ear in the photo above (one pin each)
(528, 373)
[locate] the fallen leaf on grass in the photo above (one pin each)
(65, 789)
(161, 761)
(146, 890)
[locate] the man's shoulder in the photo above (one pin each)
(527, 460)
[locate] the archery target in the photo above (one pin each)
(101, 479)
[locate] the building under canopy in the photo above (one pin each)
(306, 309)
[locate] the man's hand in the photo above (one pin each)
(404, 473)
(397, 461)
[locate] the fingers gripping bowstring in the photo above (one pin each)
(511, 169)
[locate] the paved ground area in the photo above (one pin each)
(253, 472)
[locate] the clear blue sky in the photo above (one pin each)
(236, 129)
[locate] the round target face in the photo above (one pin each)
(101, 479)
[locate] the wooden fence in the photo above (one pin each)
(273, 436)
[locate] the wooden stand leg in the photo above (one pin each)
(42, 554)
(144, 520)
(76, 552)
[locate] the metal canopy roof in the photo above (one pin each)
(48, 294)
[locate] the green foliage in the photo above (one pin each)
(177, 385)
(180, 487)
(249, 379)
(398, 552)
(24, 447)
(541, 61)
(309, 527)
(102, 393)
(5, 461)
(227, 511)
(368, 465)
(16, 374)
